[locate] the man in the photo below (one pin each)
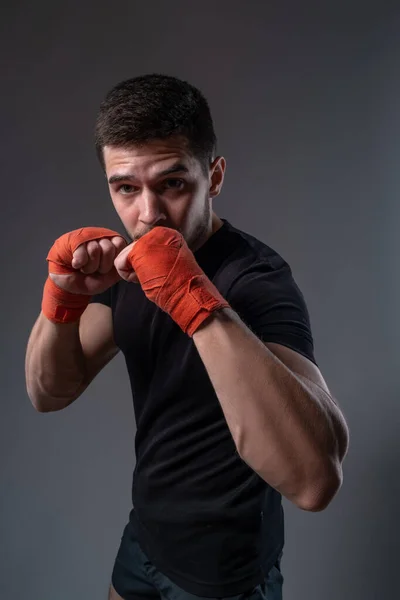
(231, 409)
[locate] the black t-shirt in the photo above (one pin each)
(201, 514)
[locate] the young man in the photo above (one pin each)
(231, 409)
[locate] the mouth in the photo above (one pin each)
(142, 233)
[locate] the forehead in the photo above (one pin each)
(150, 157)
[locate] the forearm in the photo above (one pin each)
(54, 364)
(281, 431)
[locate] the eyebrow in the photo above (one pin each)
(178, 168)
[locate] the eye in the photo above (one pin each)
(126, 188)
(174, 184)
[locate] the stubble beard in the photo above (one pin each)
(201, 230)
(194, 238)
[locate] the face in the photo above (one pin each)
(163, 184)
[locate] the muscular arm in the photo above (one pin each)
(62, 359)
(285, 426)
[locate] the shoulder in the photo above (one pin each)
(254, 263)
(266, 296)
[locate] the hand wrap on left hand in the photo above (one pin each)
(170, 276)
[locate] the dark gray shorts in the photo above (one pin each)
(135, 578)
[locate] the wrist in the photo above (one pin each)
(205, 302)
(61, 306)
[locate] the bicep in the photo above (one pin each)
(97, 339)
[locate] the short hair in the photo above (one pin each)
(151, 107)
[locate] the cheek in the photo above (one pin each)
(127, 211)
(197, 196)
(192, 211)
(198, 202)
(186, 208)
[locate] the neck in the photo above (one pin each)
(216, 223)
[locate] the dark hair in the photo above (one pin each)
(151, 107)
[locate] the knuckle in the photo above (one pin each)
(93, 247)
(80, 250)
(118, 242)
(106, 245)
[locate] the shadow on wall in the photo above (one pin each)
(352, 546)
(371, 524)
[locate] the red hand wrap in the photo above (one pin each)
(170, 276)
(58, 305)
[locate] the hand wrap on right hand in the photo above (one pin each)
(58, 305)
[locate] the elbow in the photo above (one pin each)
(42, 407)
(43, 403)
(36, 400)
(318, 494)
(40, 404)
(45, 399)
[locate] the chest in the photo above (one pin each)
(172, 392)
(161, 359)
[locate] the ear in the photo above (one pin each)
(217, 173)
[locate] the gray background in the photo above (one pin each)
(305, 100)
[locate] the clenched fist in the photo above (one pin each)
(169, 275)
(81, 264)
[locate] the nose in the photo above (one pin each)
(151, 210)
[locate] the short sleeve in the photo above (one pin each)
(270, 303)
(103, 298)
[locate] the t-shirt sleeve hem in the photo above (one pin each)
(288, 343)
